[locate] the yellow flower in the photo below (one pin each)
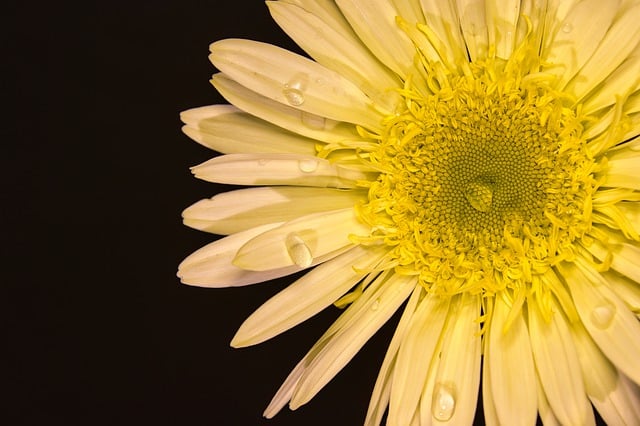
(477, 160)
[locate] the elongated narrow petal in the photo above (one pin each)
(609, 322)
(236, 211)
(277, 169)
(414, 358)
(304, 123)
(226, 129)
(293, 80)
(382, 389)
(553, 350)
(512, 370)
(455, 392)
(502, 19)
(306, 297)
(300, 241)
(348, 342)
(603, 383)
(473, 22)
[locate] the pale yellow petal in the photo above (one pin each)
(442, 18)
(307, 296)
(473, 22)
(228, 130)
(300, 241)
(277, 169)
(609, 322)
(502, 18)
(513, 382)
(235, 211)
(624, 80)
(293, 80)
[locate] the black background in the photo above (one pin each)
(98, 330)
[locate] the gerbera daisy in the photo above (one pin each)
(474, 162)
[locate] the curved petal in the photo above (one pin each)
(294, 80)
(226, 129)
(307, 296)
(277, 169)
(236, 211)
(300, 241)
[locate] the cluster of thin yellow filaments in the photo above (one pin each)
(485, 182)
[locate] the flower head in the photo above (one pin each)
(475, 161)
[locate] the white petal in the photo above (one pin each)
(375, 23)
(619, 41)
(382, 389)
(414, 358)
(577, 36)
(602, 381)
(442, 19)
(235, 211)
(293, 80)
(513, 382)
(473, 23)
(609, 322)
(301, 122)
(622, 81)
(557, 366)
(338, 50)
(488, 403)
(307, 296)
(502, 19)
(455, 393)
(546, 413)
(341, 348)
(226, 129)
(277, 169)
(627, 290)
(300, 241)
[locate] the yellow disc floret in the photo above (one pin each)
(485, 181)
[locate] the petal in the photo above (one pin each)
(382, 389)
(546, 413)
(625, 257)
(609, 322)
(619, 41)
(414, 358)
(293, 80)
(502, 19)
(513, 382)
(576, 37)
(627, 290)
(557, 366)
(377, 310)
(455, 393)
(226, 129)
(277, 169)
(338, 50)
(602, 381)
(300, 241)
(236, 211)
(211, 265)
(307, 296)
(473, 23)
(303, 123)
(622, 81)
(375, 23)
(442, 19)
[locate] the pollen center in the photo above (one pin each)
(485, 181)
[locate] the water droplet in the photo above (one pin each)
(298, 251)
(566, 28)
(602, 315)
(294, 89)
(443, 403)
(376, 305)
(308, 165)
(263, 162)
(480, 195)
(313, 121)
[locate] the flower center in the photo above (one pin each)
(485, 181)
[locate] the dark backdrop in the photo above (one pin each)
(98, 330)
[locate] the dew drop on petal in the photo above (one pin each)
(566, 28)
(375, 305)
(313, 121)
(294, 89)
(602, 315)
(443, 403)
(308, 165)
(298, 251)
